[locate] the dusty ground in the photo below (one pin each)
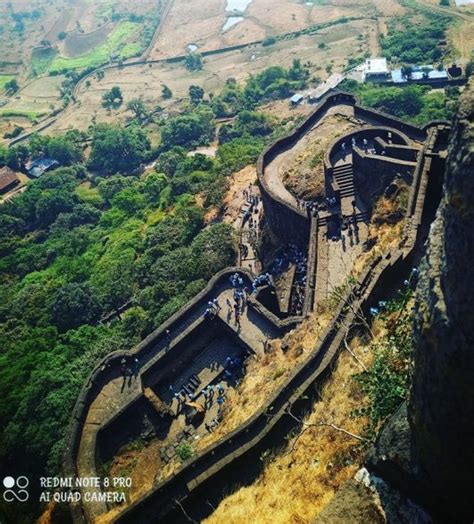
(263, 18)
(234, 198)
(301, 479)
(303, 171)
(461, 36)
(146, 80)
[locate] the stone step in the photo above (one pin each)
(345, 183)
(342, 172)
(344, 176)
(347, 193)
(341, 167)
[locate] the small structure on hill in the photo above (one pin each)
(8, 180)
(376, 70)
(40, 166)
(296, 99)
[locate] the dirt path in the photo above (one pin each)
(449, 11)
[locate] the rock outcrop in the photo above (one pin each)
(423, 458)
(441, 409)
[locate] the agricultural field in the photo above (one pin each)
(41, 34)
(342, 41)
(205, 25)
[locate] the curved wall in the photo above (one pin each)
(198, 473)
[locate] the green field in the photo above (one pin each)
(3, 80)
(31, 115)
(41, 60)
(119, 43)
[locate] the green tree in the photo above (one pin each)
(112, 185)
(64, 150)
(212, 250)
(117, 149)
(112, 98)
(129, 200)
(196, 94)
(11, 87)
(3, 155)
(16, 156)
(137, 107)
(166, 92)
(189, 130)
(154, 185)
(51, 203)
(73, 305)
(193, 62)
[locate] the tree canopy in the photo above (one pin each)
(117, 149)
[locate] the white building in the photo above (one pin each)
(376, 70)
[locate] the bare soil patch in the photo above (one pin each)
(146, 80)
(303, 171)
(263, 18)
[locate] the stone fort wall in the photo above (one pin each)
(198, 473)
(244, 438)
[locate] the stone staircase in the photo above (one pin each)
(362, 216)
(344, 178)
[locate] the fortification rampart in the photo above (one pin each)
(150, 351)
(286, 220)
(201, 469)
(284, 217)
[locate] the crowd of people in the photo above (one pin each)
(213, 308)
(250, 222)
(313, 208)
(265, 279)
(239, 296)
(292, 255)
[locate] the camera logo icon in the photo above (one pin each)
(15, 489)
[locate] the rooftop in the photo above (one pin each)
(296, 98)
(40, 166)
(7, 177)
(376, 66)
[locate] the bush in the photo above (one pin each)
(386, 382)
(184, 451)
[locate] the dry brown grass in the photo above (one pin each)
(298, 483)
(388, 237)
(265, 374)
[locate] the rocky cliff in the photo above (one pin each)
(441, 409)
(421, 468)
